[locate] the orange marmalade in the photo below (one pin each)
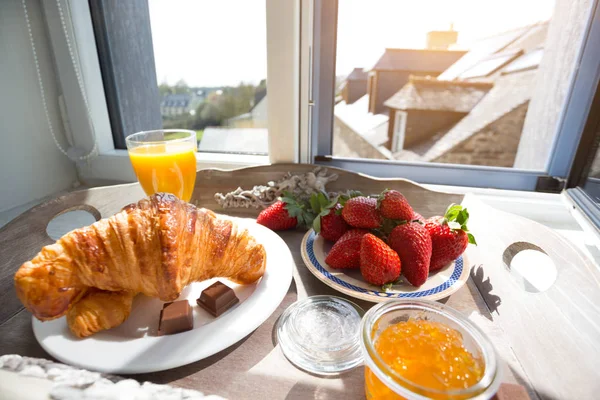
(426, 353)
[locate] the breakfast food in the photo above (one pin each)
(361, 212)
(379, 264)
(155, 247)
(277, 217)
(175, 317)
(393, 205)
(449, 236)
(413, 244)
(345, 253)
(98, 310)
(217, 298)
(426, 353)
(331, 225)
(423, 245)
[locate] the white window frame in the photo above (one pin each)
(111, 164)
(570, 126)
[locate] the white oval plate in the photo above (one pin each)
(133, 347)
(439, 285)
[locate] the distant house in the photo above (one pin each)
(490, 86)
(395, 66)
(173, 105)
(234, 140)
(426, 105)
(361, 125)
(255, 118)
(355, 86)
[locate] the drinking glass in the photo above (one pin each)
(164, 161)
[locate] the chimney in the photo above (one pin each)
(441, 40)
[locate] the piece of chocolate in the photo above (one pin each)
(175, 317)
(217, 298)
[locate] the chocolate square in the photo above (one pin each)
(217, 298)
(175, 317)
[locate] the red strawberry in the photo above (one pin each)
(361, 212)
(412, 242)
(393, 205)
(331, 226)
(345, 253)
(379, 264)
(276, 217)
(418, 217)
(449, 236)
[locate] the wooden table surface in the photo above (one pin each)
(255, 367)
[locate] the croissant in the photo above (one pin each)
(155, 247)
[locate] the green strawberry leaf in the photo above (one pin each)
(471, 239)
(457, 217)
(452, 212)
(323, 199)
(388, 225)
(389, 285)
(314, 203)
(317, 224)
(381, 197)
(333, 202)
(454, 225)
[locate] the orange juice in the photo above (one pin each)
(166, 167)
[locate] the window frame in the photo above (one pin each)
(569, 130)
(112, 164)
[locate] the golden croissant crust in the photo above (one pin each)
(155, 247)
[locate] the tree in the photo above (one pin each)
(181, 87)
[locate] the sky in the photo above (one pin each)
(219, 43)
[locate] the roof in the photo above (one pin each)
(416, 60)
(176, 100)
(431, 94)
(357, 74)
(509, 92)
(357, 117)
(524, 38)
(235, 140)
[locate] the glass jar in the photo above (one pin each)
(383, 383)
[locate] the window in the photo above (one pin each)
(203, 66)
(470, 84)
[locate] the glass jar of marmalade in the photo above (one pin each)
(418, 349)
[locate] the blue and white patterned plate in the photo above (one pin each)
(439, 285)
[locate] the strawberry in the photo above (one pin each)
(328, 221)
(345, 253)
(412, 242)
(449, 236)
(276, 217)
(393, 205)
(379, 264)
(418, 217)
(332, 225)
(286, 213)
(361, 212)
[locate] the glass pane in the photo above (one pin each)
(450, 86)
(211, 67)
(591, 184)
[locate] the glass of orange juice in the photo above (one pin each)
(164, 161)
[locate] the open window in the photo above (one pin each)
(490, 101)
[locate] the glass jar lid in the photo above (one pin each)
(321, 334)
